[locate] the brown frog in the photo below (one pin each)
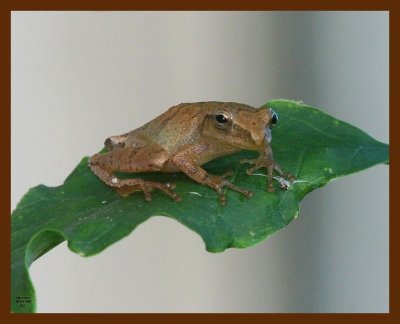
(184, 138)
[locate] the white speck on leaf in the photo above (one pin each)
(200, 195)
(259, 174)
(195, 193)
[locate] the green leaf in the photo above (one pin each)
(312, 145)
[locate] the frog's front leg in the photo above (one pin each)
(184, 161)
(265, 160)
(129, 159)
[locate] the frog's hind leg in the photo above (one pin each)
(131, 160)
(125, 187)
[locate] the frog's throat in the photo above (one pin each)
(268, 135)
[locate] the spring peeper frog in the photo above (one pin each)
(184, 138)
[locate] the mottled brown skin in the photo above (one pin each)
(184, 138)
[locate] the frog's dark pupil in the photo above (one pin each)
(221, 119)
(274, 119)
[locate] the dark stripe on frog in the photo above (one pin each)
(132, 154)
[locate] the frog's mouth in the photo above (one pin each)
(268, 135)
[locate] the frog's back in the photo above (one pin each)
(178, 126)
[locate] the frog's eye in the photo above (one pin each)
(221, 119)
(274, 118)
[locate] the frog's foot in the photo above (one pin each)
(219, 182)
(127, 186)
(285, 179)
